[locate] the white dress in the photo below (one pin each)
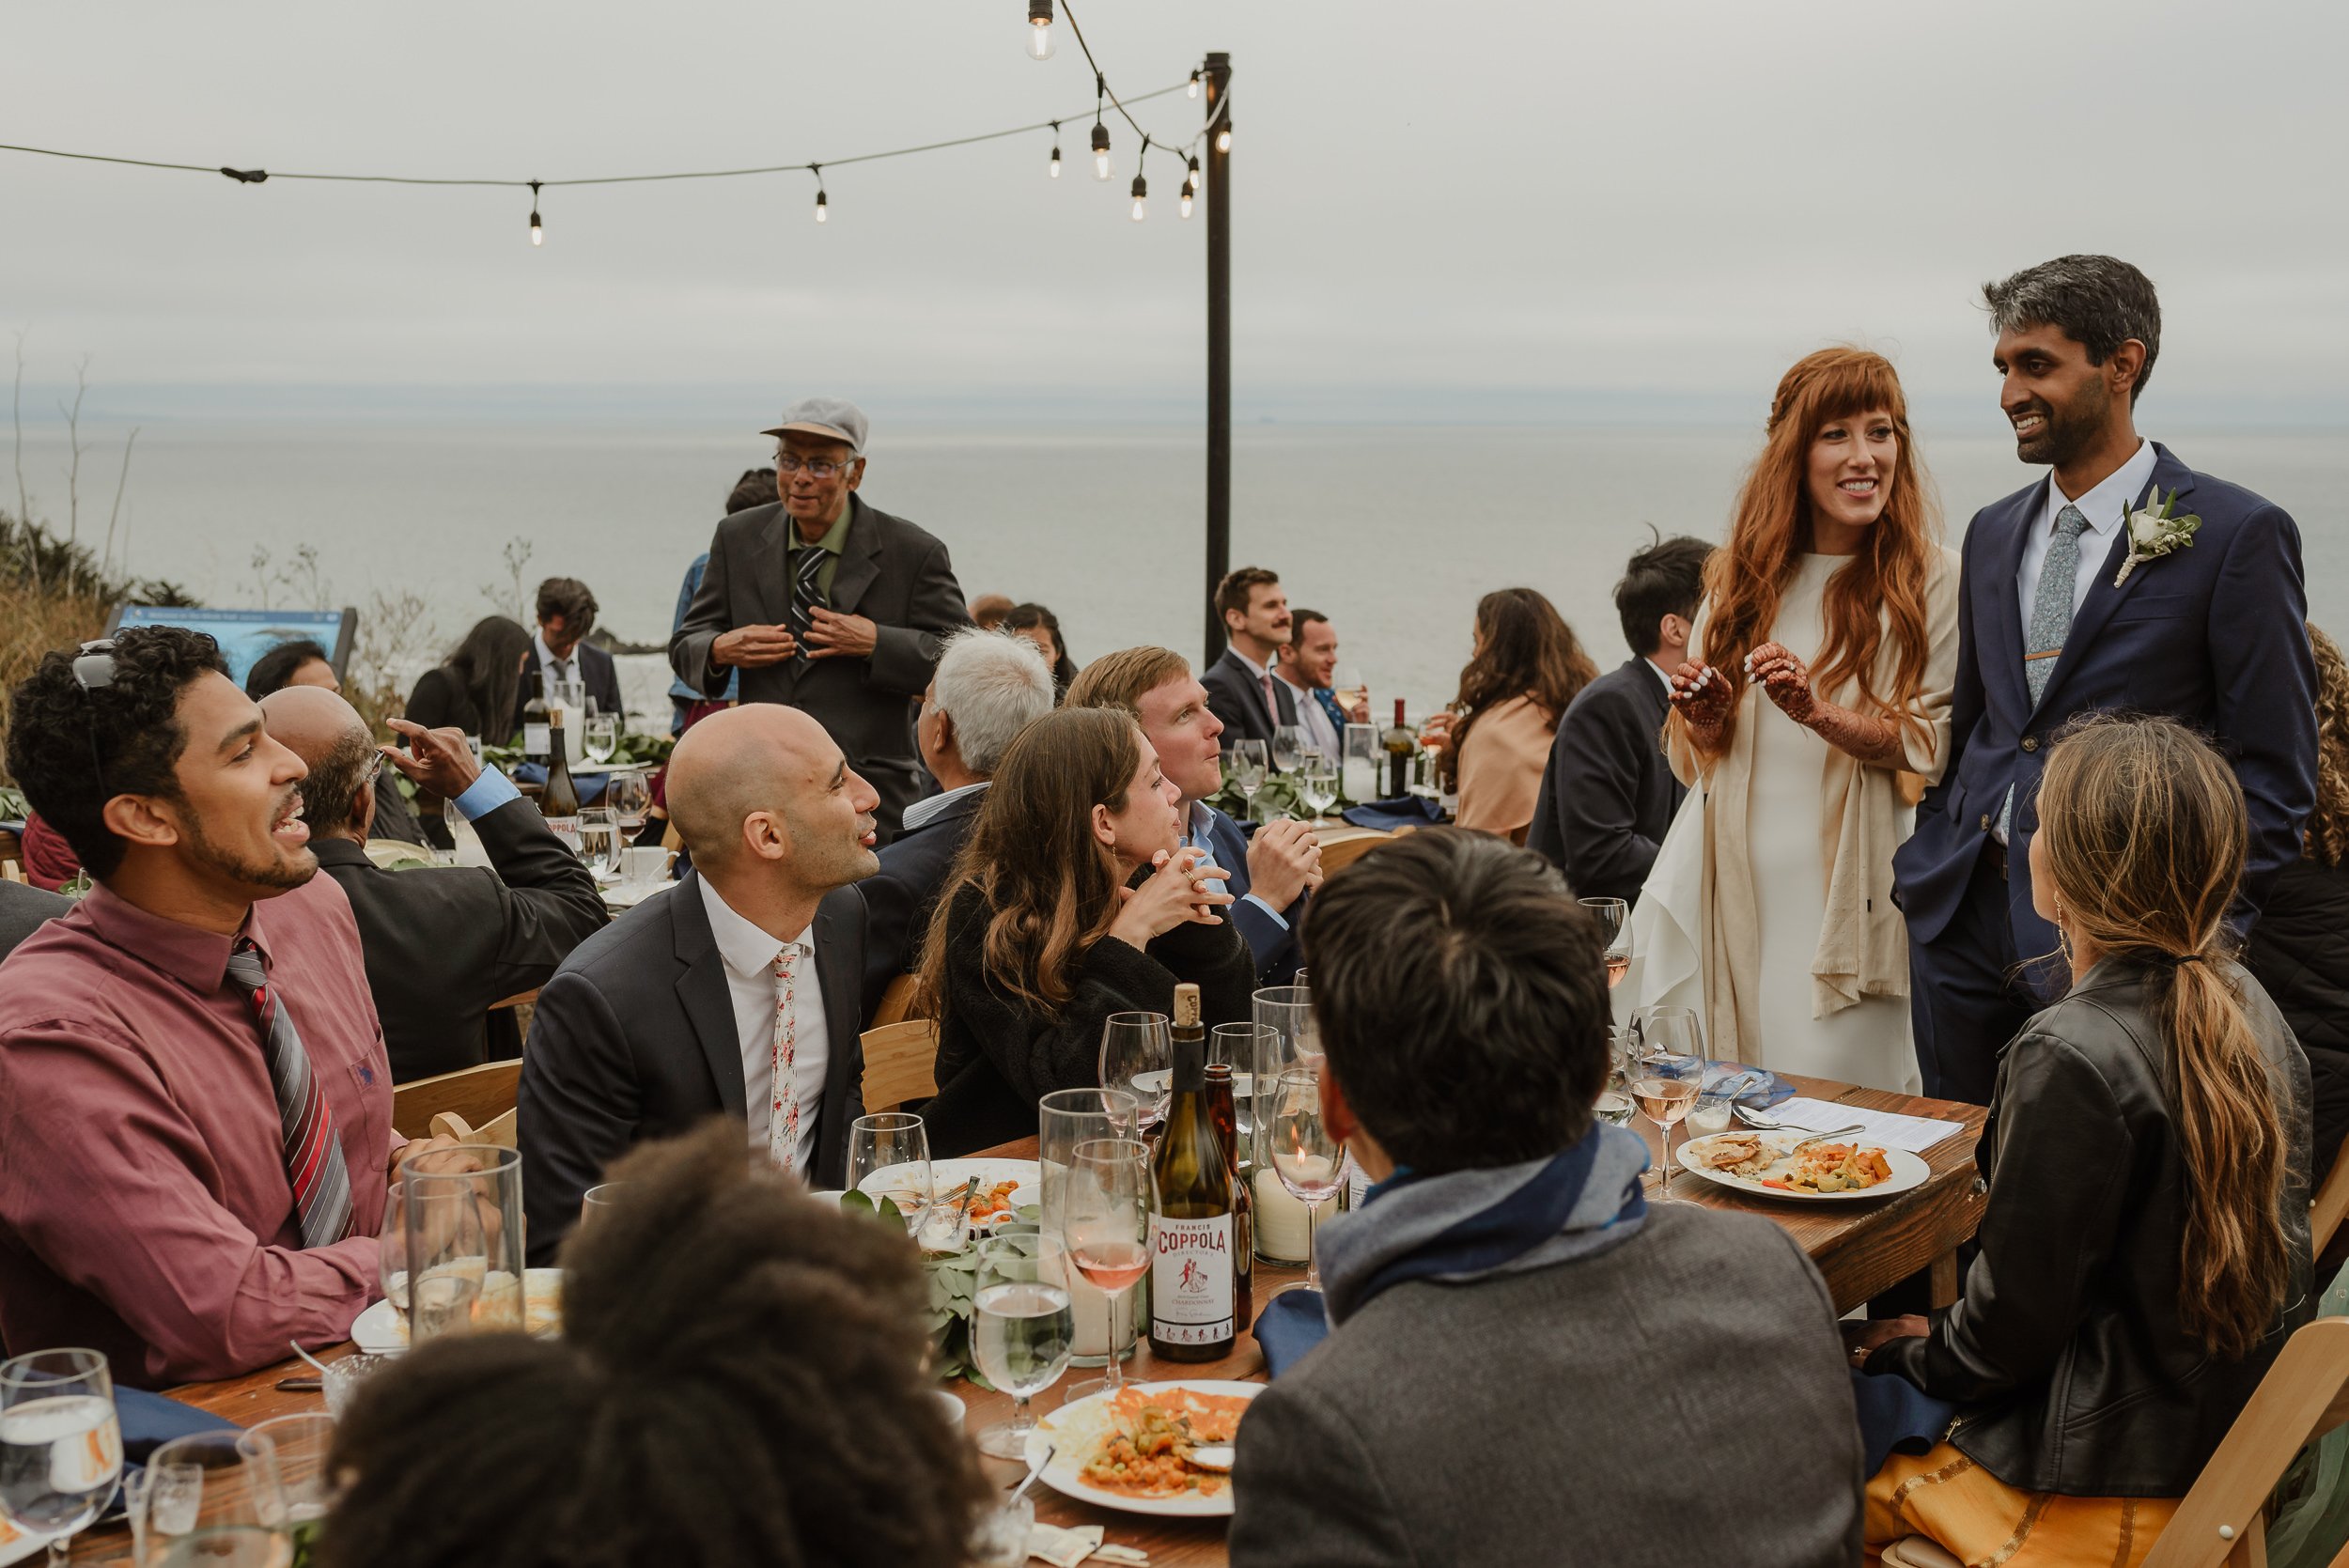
(1868, 1043)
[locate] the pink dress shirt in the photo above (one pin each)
(144, 1208)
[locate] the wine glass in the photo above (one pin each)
(1347, 686)
(599, 841)
(1317, 782)
(1105, 1224)
(1613, 1105)
(1245, 761)
(1137, 1055)
(1615, 929)
(628, 794)
(601, 736)
(1310, 1163)
(60, 1443)
(1022, 1329)
(889, 1156)
(1288, 745)
(1667, 1072)
(211, 1497)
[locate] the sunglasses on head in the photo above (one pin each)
(94, 670)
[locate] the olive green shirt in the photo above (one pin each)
(834, 537)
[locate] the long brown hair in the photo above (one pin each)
(1524, 648)
(1050, 885)
(2328, 824)
(1885, 582)
(2145, 831)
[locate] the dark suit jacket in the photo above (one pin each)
(892, 574)
(1273, 943)
(2214, 636)
(1608, 795)
(596, 671)
(22, 910)
(899, 897)
(1236, 697)
(443, 942)
(634, 1040)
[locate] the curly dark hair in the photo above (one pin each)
(738, 1385)
(570, 598)
(71, 750)
(2328, 824)
(756, 487)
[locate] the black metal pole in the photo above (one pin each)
(1217, 166)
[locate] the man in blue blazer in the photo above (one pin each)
(2073, 603)
(1271, 873)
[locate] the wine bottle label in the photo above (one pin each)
(566, 828)
(1190, 1280)
(537, 741)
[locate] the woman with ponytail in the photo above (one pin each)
(2144, 1250)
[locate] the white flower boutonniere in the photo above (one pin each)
(2154, 532)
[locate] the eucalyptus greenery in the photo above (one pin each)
(954, 1280)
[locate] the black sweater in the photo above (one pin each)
(998, 1055)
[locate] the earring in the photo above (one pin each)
(2063, 938)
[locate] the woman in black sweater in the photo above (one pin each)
(1073, 900)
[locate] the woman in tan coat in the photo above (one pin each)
(1815, 698)
(1494, 743)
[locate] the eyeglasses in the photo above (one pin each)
(93, 671)
(817, 468)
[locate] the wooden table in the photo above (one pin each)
(1860, 1249)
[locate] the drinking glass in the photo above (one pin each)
(445, 1288)
(1288, 744)
(1613, 1105)
(1614, 928)
(1361, 763)
(1237, 1046)
(203, 1492)
(299, 1444)
(1316, 781)
(1286, 1037)
(462, 1237)
(599, 841)
(1351, 691)
(60, 1444)
(1136, 1056)
(597, 1202)
(601, 736)
(1105, 1224)
(628, 793)
(1667, 1073)
(889, 1156)
(1245, 761)
(1022, 1329)
(1309, 1162)
(1065, 1118)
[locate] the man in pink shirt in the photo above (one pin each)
(194, 1102)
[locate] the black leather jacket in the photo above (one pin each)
(2064, 1351)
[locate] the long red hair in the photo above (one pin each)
(1882, 588)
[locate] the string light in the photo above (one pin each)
(1142, 186)
(1040, 29)
(1053, 167)
(1197, 175)
(538, 230)
(823, 207)
(1189, 190)
(1101, 132)
(1224, 140)
(1194, 85)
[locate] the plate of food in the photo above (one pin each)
(382, 1331)
(1006, 1185)
(1769, 1165)
(1133, 1451)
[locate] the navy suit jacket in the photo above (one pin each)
(1609, 795)
(1272, 944)
(1236, 697)
(2215, 636)
(901, 895)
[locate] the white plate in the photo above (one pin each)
(948, 1176)
(1908, 1171)
(1163, 1081)
(379, 1331)
(1076, 1430)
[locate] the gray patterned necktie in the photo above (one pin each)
(806, 562)
(2051, 607)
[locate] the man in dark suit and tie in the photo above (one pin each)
(2074, 600)
(441, 943)
(559, 649)
(987, 689)
(826, 604)
(1242, 689)
(733, 994)
(1608, 795)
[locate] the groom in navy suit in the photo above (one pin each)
(2212, 632)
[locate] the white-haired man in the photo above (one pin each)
(987, 689)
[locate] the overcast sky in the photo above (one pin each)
(1442, 209)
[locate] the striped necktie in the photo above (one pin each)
(806, 562)
(314, 1154)
(783, 1102)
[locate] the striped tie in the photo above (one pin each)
(314, 1155)
(806, 562)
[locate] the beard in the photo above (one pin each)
(2069, 429)
(280, 875)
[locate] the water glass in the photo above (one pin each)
(1023, 1330)
(299, 1444)
(1316, 781)
(600, 737)
(203, 1492)
(60, 1443)
(889, 1156)
(999, 1539)
(461, 1241)
(1065, 1118)
(340, 1381)
(1105, 1223)
(599, 841)
(1364, 758)
(1308, 1161)
(1136, 1056)
(1613, 917)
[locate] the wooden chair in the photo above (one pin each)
(900, 1064)
(896, 1002)
(479, 1096)
(1336, 856)
(2331, 1202)
(13, 871)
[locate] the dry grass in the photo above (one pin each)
(34, 621)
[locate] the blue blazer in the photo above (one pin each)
(1273, 945)
(2215, 636)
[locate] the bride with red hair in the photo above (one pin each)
(1818, 675)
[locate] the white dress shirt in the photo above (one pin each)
(1319, 732)
(749, 954)
(548, 663)
(931, 805)
(2105, 507)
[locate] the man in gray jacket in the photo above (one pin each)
(1527, 1362)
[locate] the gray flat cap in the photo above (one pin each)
(833, 417)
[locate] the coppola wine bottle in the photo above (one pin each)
(559, 801)
(1400, 743)
(535, 721)
(1192, 1306)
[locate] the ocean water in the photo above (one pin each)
(1392, 532)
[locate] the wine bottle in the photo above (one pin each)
(559, 801)
(535, 721)
(1224, 1114)
(1400, 743)
(1192, 1263)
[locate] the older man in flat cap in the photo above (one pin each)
(826, 603)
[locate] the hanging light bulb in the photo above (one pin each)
(1190, 191)
(1053, 167)
(1142, 199)
(1197, 176)
(823, 210)
(1100, 150)
(1224, 140)
(1040, 29)
(538, 230)
(1195, 85)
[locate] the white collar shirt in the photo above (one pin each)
(1661, 674)
(2105, 507)
(1319, 732)
(552, 668)
(748, 954)
(929, 806)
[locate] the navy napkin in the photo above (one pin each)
(1291, 1324)
(1760, 1088)
(1896, 1417)
(1404, 811)
(149, 1420)
(590, 781)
